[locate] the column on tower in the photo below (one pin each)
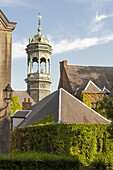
(49, 67)
(39, 65)
(31, 66)
(28, 66)
(46, 66)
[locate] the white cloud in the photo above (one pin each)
(18, 48)
(79, 44)
(96, 27)
(101, 17)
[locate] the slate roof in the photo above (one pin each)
(79, 76)
(22, 95)
(67, 109)
(21, 114)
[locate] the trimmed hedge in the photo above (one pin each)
(33, 165)
(48, 165)
(33, 160)
(86, 141)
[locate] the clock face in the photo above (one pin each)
(43, 85)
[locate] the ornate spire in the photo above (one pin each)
(40, 17)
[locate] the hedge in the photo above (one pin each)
(33, 160)
(86, 141)
(48, 165)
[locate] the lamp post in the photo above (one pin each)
(5, 121)
(7, 97)
(8, 93)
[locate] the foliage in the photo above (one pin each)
(33, 160)
(105, 107)
(84, 141)
(45, 120)
(90, 98)
(15, 105)
(103, 104)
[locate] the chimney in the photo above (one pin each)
(26, 105)
(63, 64)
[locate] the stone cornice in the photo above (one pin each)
(6, 24)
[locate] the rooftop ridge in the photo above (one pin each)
(90, 65)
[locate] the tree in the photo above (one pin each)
(105, 107)
(15, 105)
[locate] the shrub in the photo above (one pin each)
(45, 120)
(33, 160)
(82, 140)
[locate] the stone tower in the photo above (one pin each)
(39, 53)
(6, 29)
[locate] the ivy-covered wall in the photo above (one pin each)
(86, 141)
(90, 98)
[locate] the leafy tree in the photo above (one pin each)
(15, 105)
(105, 107)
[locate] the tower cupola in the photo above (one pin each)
(39, 53)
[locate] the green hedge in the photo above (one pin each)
(33, 160)
(48, 165)
(36, 165)
(86, 141)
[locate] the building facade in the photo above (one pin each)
(6, 28)
(39, 54)
(91, 83)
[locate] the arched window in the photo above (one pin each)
(35, 65)
(42, 65)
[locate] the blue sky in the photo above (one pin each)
(80, 31)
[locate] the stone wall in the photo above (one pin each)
(6, 28)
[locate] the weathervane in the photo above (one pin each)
(40, 17)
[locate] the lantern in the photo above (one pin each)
(8, 92)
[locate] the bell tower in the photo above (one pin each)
(39, 56)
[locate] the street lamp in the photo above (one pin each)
(8, 93)
(7, 96)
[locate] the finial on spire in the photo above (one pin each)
(40, 17)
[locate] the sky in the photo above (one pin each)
(80, 31)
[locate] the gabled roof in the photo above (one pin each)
(5, 23)
(106, 90)
(67, 109)
(92, 88)
(79, 76)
